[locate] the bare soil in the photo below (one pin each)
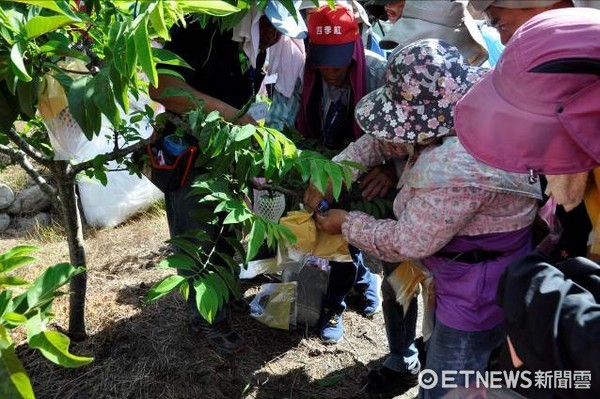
(147, 351)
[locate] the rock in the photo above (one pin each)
(4, 221)
(33, 222)
(6, 196)
(28, 201)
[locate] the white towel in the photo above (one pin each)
(286, 59)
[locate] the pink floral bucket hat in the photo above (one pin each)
(424, 81)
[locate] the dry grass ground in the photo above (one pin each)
(147, 351)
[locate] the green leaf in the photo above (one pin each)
(144, 52)
(227, 276)
(245, 132)
(14, 318)
(166, 57)
(164, 287)
(55, 347)
(17, 64)
(336, 177)
(15, 381)
(12, 281)
(157, 19)
(27, 95)
(14, 262)
(61, 7)
(212, 116)
(40, 25)
(220, 287)
(44, 287)
(177, 261)
(207, 299)
(238, 215)
(76, 98)
(255, 238)
(104, 98)
(186, 246)
(214, 7)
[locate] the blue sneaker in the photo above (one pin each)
(372, 296)
(332, 327)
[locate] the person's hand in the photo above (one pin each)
(312, 196)
(378, 181)
(516, 360)
(331, 221)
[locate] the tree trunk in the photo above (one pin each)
(72, 222)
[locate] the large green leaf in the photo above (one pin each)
(61, 7)
(177, 261)
(38, 26)
(14, 381)
(55, 347)
(12, 281)
(17, 64)
(104, 98)
(255, 238)
(144, 52)
(208, 301)
(214, 7)
(76, 99)
(164, 287)
(162, 56)
(157, 19)
(45, 286)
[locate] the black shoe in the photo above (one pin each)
(388, 381)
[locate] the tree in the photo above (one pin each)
(111, 40)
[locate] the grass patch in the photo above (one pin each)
(14, 177)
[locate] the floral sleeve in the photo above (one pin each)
(369, 152)
(426, 224)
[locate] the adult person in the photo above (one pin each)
(336, 76)
(547, 85)
(464, 220)
(421, 19)
(225, 79)
(508, 15)
(446, 20)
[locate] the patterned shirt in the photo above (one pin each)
(428, 218)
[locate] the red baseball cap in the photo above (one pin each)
(332, 34)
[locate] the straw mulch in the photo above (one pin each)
(147, 351)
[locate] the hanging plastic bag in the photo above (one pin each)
(275, 305)
(312, 277)
(405, 280)
(311, 241)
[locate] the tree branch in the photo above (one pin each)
(272, 187)
(21, 158)
(28, 149)
(111, 156)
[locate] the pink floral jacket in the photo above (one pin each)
(446, 193)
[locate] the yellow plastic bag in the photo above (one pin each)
(275, 305)
(311, 241)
